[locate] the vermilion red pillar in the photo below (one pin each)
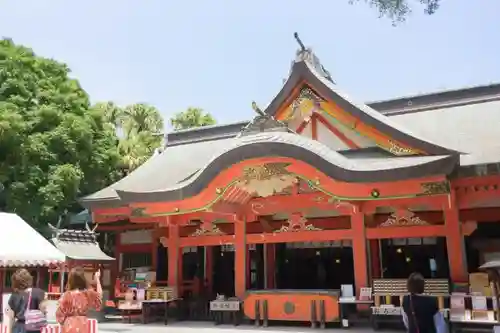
(240, 264)
(455, 245)
(359, 251)
(173, 251)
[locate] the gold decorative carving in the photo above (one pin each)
(265, 171)
(295, 223)
(396, 149)
(403, 218)
(211, 231)
(138, 212)
(267, 179)
(434, 188)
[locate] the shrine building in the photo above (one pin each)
(317, 191)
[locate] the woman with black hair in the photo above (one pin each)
(421, 312)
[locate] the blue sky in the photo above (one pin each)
(221, 55)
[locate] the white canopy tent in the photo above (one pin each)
(21, 245)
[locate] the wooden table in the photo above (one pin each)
(347, 306)
(148, 304)
(471, 325)
(232, 307)
(129, 310)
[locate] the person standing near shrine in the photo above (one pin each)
(78, 299)
(421, 312)
(24, 300)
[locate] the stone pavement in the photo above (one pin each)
(206, 327)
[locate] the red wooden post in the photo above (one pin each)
(173, 256)
(359, 250)
(455, 243)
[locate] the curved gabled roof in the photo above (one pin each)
(308, 69)
(290, 145)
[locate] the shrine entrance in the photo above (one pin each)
(223, 270)
(314, 265)
(403, 256)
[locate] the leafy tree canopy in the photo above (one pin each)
(54, 147)
(398, 10)
(139, 128)
(192, 117)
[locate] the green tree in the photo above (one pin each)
(398, 10)
(192, 117)
(112, 114)
(142, 117)
(53, 146)
(139, 128)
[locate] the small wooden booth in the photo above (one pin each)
(81, 249)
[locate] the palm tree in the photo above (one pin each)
(192, 117)
(112, 113)
(142, 117)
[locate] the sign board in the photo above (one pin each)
(224, 305)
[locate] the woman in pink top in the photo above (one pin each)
(75, 303)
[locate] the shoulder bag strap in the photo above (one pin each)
(414, 317)
(29, 300)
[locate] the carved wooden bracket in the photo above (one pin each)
(295, 223)
(210, 230)
(403, 218)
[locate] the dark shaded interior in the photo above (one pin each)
(313, 268)
(400, 259)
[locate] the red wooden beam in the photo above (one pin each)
(314, 127)
(303, 125)
(348, 142)
(437, 202)
(406, 232)
(299, 236)
(295, 203)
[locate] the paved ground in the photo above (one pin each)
(189, 327)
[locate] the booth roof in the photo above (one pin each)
(21, 245)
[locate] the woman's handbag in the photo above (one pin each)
(34, 320)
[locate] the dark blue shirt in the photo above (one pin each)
(420, 311)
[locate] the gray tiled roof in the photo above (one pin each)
(165, 170)
(186, 165)
(79, 245)
(472, 128)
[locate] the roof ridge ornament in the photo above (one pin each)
(306, 54)
(263, 122)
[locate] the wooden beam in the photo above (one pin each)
(296, 203)
(406, 232)
(299, 236)
(335, 131)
